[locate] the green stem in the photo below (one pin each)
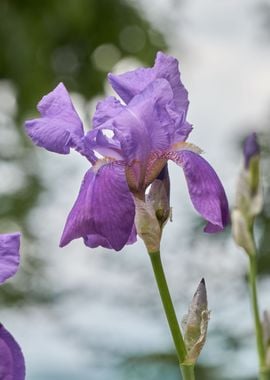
(264, 371)
(187, 370)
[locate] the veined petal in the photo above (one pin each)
(59, 128)
(12, 365)
(129, 84)
(104, 211)
(9, 255)
(205, 189)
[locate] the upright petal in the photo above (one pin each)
(106, 109)
(12, 365)
(205, 189)
(9, 255)
(150, 108)
(103, 213)
(59, 128)
(129, 84)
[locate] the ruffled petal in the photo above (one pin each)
(129, 84)
(9, 255)
(167, 67)
(141, 127)
(150, 108)
(205, 189)
(59, 128)
(104, 211)
(106, 109)
(12, 365)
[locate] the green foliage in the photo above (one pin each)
(43, 43)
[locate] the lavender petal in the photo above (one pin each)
(103, 213)
(11, 357)
(9, 255)
(205, 189)
(59, 128)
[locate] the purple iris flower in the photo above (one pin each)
(129, 145)
(11, 358)
(251, 148)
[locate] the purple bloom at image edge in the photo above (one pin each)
(11, 358)
(9, 255)
(12, 364)
(135, 141)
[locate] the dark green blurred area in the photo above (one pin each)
(43, 43)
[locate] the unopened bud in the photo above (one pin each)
(249, 194)
(159, 196)
(251, 149)
(147, 225)
(241, 232)
(249, 200)
(195, 324)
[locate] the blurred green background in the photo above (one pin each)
(93, 314)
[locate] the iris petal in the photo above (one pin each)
(9, 255)
(205, 189)
(59, 128)
(106, 109)
(129, 84)
(103, 213)
(11, 358)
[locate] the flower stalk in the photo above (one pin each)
(264, 372)
(249, 203)
(187, 370)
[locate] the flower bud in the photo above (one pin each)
(147, 225)
(195, 324)
(159, 196)
(249, 195)
(251, 149)
(249, 200)
(241, 232)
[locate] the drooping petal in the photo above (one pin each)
(9, 255)
(205, 189)
(129, 84)
(94, 241)
(59, 128)
(12, 365)
(104, 211)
